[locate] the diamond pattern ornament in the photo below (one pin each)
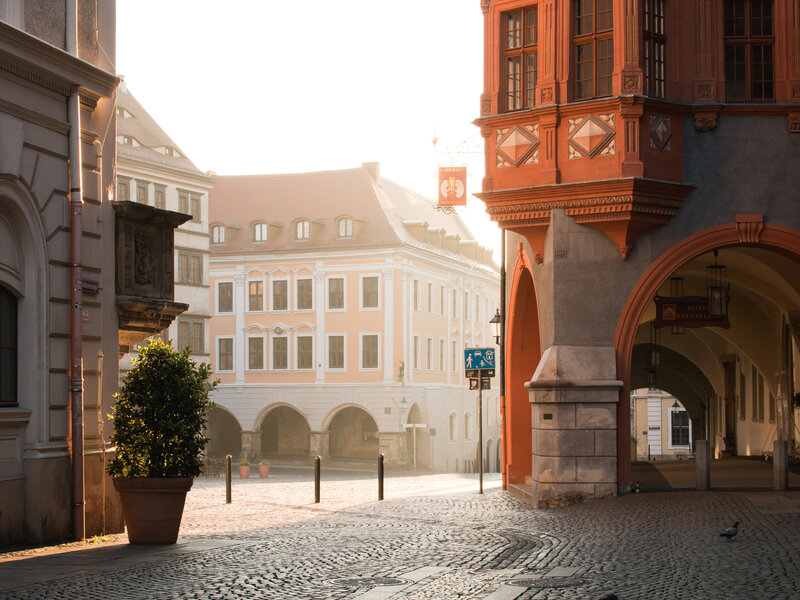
(590, 136)
(516, 145)
(660, 132)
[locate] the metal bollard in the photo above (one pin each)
(317, 463)
(380, 476)
(228, 479)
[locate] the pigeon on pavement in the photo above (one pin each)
(730, 531)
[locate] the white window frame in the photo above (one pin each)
(218, 234)
(443, 355)
(328, 293)
(297, 281)
(454, 307)
(263, 352)
(477, 308)
(217, 341)
(273, 336)
(272, 295)
(443, 301)
(297, 337)
(263, 294)
(347, 224)
(262, 228)
(216, 297)
(673, 411)
(302, 230)
(430, 298)
(467, 316)
(328, 366)
(429, 353)
(361, 366)
(361, 279)
(415, 353)
(453, 354)
(415, 292)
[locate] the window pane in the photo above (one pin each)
(160, 198)
(225, 294)
(584, 66)
(369, 346)
(531, 26)
(605, 15)
(513, 30)
(336, 352)
(304, 352)
(225, 361)
(513, 83)
(304, 294)
(255, 353)
(336, 293)
(280, 295)
(256, 295)
(280, 354)
(198, 337)
(8, 347)
(260, 234)
(583, 16)
(531, 75)
(605, 66)
(370, 292)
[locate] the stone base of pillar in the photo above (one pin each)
(393, 447)
(574, 395)
(251, 445)
(320, 443)
(780, 465)
(702, 453)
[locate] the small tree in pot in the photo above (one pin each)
(159, 417)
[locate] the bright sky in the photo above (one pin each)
(268, 86)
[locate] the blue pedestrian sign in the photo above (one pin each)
(478, 358)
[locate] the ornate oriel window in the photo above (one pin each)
(520, 51)
(749, 51)
(655, 42)
(593, 41)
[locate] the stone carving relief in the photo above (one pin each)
(660, 132)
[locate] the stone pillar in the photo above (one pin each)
(393, 446)
(574, 395)
(320, 443)
(702, 453)
(251, 445)
(780, 465)
(239, 303)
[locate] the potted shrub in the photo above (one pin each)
(263, 468)
(244, 469)
(159, 416)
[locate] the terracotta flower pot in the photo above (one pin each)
(244, 471)
(263, 471)
(152, 507)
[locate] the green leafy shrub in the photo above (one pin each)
(160, 413)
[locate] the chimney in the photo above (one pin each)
(374, 170)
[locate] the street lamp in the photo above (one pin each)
(496, 322)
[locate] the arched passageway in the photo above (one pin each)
(418, 440)
(224, 433)
(353, 434)
(523, 352)
(285, 432)
(734, 366)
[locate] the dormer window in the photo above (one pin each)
(123, 113)
(345, 227)
(218, 234)
(260, 232)
(303, 230)
(128, 140)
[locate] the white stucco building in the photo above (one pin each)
(342, 303)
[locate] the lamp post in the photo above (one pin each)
(496, 321)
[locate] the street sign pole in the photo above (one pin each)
(480, 437)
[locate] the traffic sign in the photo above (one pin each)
(479, 373)
(486, 383)
(473, 383)
(479, 358)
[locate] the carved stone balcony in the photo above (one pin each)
(145, 271)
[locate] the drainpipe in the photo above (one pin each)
(75, 411)
(503, 416)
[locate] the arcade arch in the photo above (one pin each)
(353, 434)
(736, 382)
(418, 440)
(285, 432)
(224, 433)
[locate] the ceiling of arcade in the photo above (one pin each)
(764, 292)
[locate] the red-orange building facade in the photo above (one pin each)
(625, 142)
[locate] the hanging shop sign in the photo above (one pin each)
(687, 311)
(452, 186)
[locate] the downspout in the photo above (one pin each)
(503, 422)
(75, 411)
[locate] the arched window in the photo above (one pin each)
(8, 348)
(467, 426)
(452, 427)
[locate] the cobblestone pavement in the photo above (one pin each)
(435, 537)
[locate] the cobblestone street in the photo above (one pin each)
(434, 537)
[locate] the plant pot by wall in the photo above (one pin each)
(152, 507)
(244, 471)
(263, 471)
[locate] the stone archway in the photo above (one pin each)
(523, 352)
(353, 434)
(285, 432)
(224, 433)
(771, 256)
(418, 440)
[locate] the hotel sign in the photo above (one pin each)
(452, 186)
(687, 311)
